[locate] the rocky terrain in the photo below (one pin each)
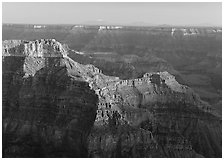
(54, 106)
(192, 54)
(44, 102)
(153, 116)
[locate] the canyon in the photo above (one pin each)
(57, 104)
(129, 52)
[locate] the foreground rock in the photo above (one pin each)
(50, 110)
(43, 103)
(153, 116)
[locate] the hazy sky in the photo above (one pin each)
(114, 13)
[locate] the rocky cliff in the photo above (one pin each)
(56, 107)
(194, 52)
(153, 116)
(44, 103)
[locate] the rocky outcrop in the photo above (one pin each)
(156, 116)
(196, 57)
(47, 95)
(38, 48)
(44, 103)
(194, 31)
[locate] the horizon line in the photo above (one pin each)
(113, 24)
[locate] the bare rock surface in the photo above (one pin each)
(44, 103)
(56, 107)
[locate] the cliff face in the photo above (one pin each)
(43, 104)
(38, 48)
(153, 116)
(56, 107)
(195, 53)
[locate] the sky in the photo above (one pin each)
(126, 13)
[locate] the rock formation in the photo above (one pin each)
(56, 107)
(44, 103)
(152, 116)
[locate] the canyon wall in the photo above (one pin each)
(153, 116)
(43, 105)
(56, 107)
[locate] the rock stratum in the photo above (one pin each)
(44, 102)
(192, 54)
(56, 107)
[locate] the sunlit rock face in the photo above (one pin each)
(38, 48)
(194, 31)
(43, 103)
(56, 107)
(152, 116)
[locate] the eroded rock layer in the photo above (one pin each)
(44, 105)
(154, 116)
(56, 107)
